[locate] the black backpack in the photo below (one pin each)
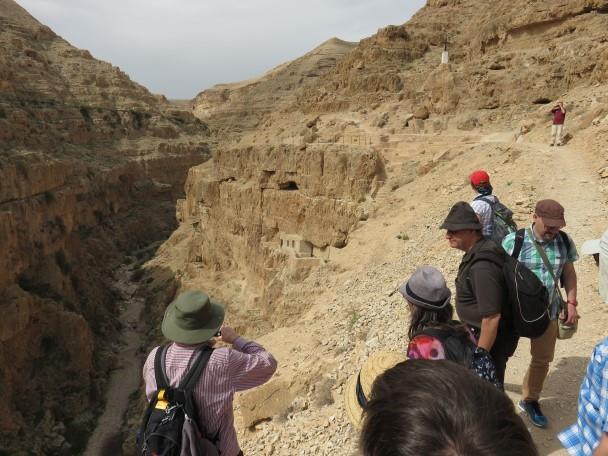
(528, 300)
(457, 345)
(171, 426)
(502, 219)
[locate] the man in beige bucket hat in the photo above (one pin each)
(193, 322)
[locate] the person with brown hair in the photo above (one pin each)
(421, 407)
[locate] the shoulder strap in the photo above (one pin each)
(196, 369)
(162, 382)
(519, 242)
(548, 265)
(485, 200)
(566, 240)
(187, 385)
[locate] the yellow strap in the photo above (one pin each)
(161, 403)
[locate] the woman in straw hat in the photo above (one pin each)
(359, 386)
(433, 334)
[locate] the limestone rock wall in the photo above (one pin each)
(91, 165)
(239, 204)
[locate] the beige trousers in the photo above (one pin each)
(556, 134)
(542, 350)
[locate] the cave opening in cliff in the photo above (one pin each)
(289, 185)
(542, 100)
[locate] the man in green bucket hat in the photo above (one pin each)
(193, 322)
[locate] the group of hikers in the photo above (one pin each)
(446, 394)
(456, 404)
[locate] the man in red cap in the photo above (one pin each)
(495, 218)
(550, 254)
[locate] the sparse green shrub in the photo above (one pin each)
(353, 319)
(403, 236)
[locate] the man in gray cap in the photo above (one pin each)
(193, 322)
(545, 238)
(481, 292)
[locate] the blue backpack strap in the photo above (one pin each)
(519, 242)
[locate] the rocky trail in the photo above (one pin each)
(355, 315)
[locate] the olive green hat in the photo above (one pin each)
(192, 318)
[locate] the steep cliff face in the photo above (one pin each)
(91, 165)
(502, 55)
(243, 106)
(266, 216)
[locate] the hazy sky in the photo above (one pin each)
(181, 47)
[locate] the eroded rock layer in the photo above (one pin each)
(502, 57)
(273, 213)
(91, 165)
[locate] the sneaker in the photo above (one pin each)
(532, 409)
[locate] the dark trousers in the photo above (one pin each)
(503, 348)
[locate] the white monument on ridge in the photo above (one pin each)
(445, 57)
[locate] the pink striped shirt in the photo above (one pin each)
(244, 366)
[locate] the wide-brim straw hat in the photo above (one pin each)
(374, 366)
(192, 318)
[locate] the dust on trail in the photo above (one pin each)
(125, 378)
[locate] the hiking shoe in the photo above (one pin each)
(532, 409)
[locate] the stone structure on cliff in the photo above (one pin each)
(244, 201)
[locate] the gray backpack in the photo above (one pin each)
(502, 219)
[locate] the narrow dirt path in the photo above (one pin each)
(576, 186)
(125, 379)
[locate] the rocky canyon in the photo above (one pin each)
(299, 199)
